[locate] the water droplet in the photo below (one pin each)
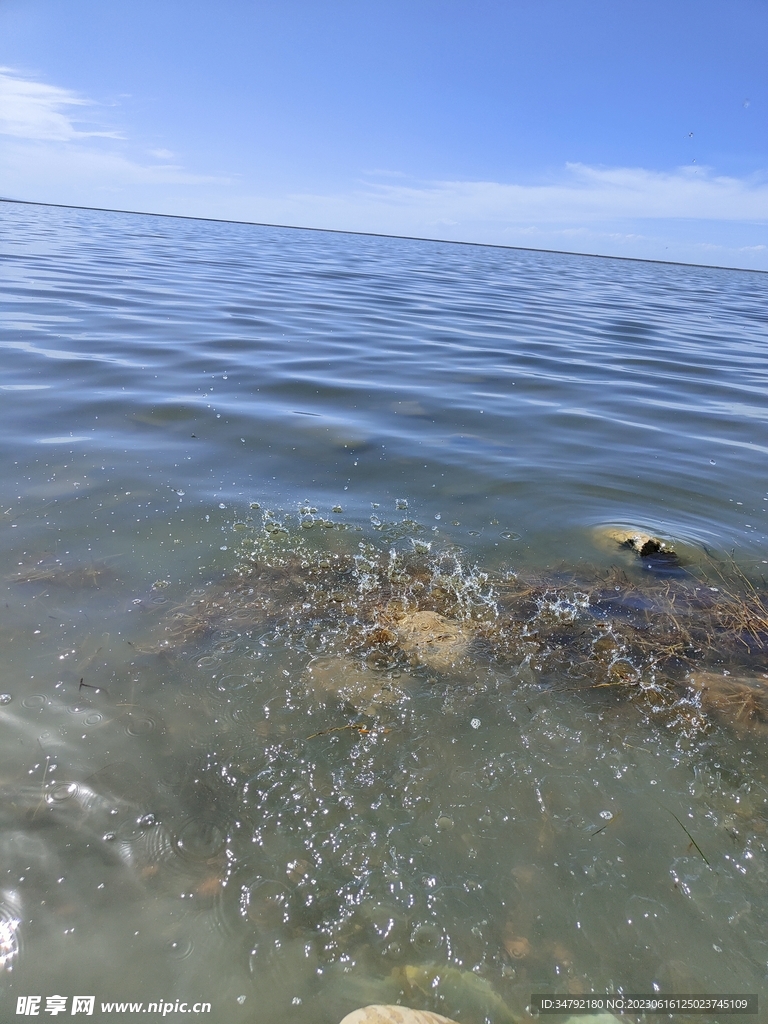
(179, 949)
(198, 840)
(5, 698)
(712, 462)
(426, 937)
(139, 725)
(401, 503)
(475, 723)
(606, 814)
(64, 792)
(241, 1000)
(337, 508)
(222, 505)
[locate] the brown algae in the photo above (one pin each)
(341, 766)
(680, 647)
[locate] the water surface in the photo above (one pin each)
(198, 822)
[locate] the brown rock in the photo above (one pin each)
(644, 544)
(351, 682)
(517, 946)
(432, 639)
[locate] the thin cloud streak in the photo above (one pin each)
(688, 213)
(583, 195)
(50, 157)
(35, 110)
(82, 176)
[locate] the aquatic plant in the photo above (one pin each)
(677, 646)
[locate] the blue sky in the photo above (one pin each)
(610, 126)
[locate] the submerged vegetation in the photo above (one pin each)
(688, 646)
(333, 819)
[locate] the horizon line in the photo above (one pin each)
(378, 234)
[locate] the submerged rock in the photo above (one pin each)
(433, 639)
(464, 990)
(654, 550)
(393, 1015)
(351, 682)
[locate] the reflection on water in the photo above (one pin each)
(319, 685)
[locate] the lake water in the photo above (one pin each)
(235, 460)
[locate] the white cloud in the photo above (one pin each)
(581, 195)
(689, 213)
(81, 175)
(34, 110)
(51, 157)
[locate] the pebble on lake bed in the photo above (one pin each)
(393, 1015)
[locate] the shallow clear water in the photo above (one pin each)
(212, 816)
